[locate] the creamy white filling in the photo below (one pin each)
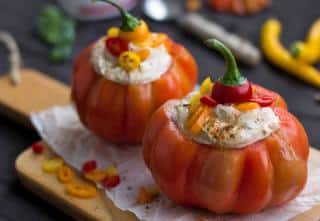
(229, 127)
(151, 69)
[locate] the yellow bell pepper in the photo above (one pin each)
(280, 57)
(308, 51)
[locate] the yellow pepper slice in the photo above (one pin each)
(65, 174)
(158, 40)
(153, 41)
(194, 103)
(206, 87)
(52, 165)
(112, 171)
(99, 175)
(279, 56)
(96, 175)
(113, 32)
(129, 60)
(247, 106)
(81, 190)
(201, 120)
(197, 119)
(143, 54)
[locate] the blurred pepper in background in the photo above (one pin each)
(239, 7)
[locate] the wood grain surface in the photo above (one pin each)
(47, 186)
(36, 92)
(28, 166)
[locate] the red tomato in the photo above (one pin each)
(267, 173)
(118, 112)
(264, 174)
(116, 46)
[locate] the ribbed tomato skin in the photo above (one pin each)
(228, 180)
(118, 113)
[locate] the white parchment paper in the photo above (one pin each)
(62, 130)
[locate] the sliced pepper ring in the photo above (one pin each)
(81, 190)
(52, 165)
(65, 174)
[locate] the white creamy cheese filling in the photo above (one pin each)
(151, 69)
(228, 126)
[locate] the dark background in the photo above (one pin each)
(18, 17)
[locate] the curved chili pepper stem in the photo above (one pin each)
(232, 76)
(129, 22)
(294, 49)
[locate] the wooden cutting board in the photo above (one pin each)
(37, 92)
(29, 169)
(28, 166)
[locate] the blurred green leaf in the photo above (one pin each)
(60, 53)
(57, 30)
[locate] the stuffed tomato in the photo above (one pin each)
(236, 154)
(121, 79)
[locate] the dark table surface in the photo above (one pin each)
(18, 16)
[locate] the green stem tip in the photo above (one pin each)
(295, 49)
(232, 76)
(129, 22)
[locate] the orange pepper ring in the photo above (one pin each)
(81, 190)
(65, 174)
(96, 175)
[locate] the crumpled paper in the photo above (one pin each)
(61, 129)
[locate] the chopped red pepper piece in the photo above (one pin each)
(232, 94)
(209, 101)
(262, 100)
(116, 46)
(89, 166)
(111, 181)
(37, 147)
